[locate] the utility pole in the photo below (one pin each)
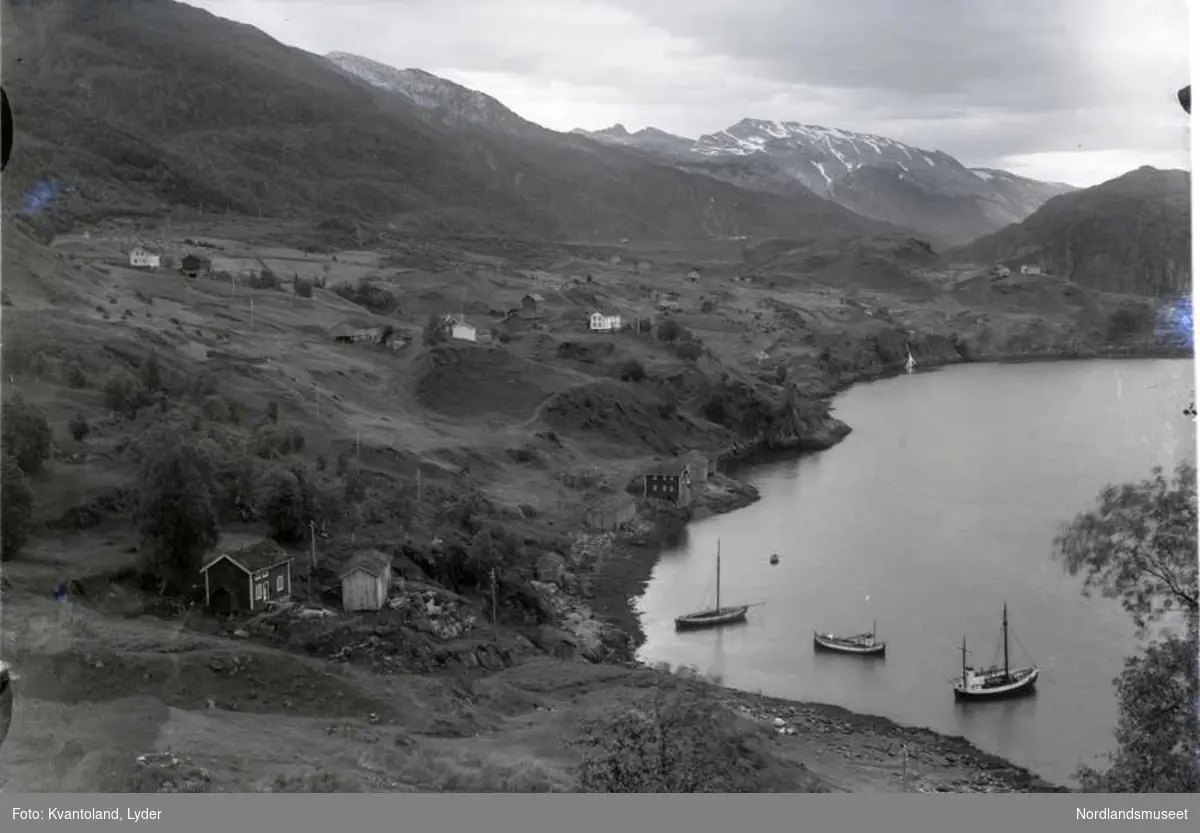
(312, 556)
(494, 616)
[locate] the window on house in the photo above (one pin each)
(279, 584)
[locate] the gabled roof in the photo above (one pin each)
(250, 555)
(669, 467)
(535, 297)
(371, 562)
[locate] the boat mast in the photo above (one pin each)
(872, 628)
(1005, 625)
(964, 662)
(718, 575)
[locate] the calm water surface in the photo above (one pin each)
(939, 507)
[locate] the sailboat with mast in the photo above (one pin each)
(910, 363)
(715, 616)
(997, 681)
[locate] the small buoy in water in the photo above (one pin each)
(775, 558)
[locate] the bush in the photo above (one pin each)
(688, 350)
(124, 395)
(16, 508)
(633, 371)
(79, 427)
(176, 511)
(25, 435)
(435, 329)
(76, 377)
(681, 741)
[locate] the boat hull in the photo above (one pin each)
(823, 643)
(1022, 687)
(712, 618)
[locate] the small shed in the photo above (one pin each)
(461, 330)
(531, 305)
(610, 513)
(243, 573)
(366, 580)
(694, 275)
(698, 466)
(356, 332)
(1031, 269)
(193, 265)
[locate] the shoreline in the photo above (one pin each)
(621, 575)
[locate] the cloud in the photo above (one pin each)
(1067, 82)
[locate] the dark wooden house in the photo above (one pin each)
(243, 574)
(193, 265)
(669, 484)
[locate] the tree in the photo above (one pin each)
(176, 511)
(16, 508)
(281, 503)
(124, 395)
(682, 741)
(1139, 546)
(79, 428)
(435, 329)
(25, 434)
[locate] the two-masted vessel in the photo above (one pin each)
(716, 615)
(996, 681)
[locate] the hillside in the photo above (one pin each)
(1130, 234)
(152, 103)
(929, 191)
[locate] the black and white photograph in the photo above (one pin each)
(597, 396)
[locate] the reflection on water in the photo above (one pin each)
(941, 506)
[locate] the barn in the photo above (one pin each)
(243, 574)
(366, 580)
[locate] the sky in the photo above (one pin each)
(1076, 91)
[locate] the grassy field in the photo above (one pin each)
(314, 699)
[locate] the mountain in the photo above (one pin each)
(1131, 234)
(449, 104)
(872, 175)
(151, 103)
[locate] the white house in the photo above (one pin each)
(1031, 270)
(143, 259)
(462, 331)
(598, 322)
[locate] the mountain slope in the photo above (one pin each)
(473, 115)
(154, 103)
(872, 175)
(453, 104)
(1131, 234)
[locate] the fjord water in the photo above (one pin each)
(941, 506)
